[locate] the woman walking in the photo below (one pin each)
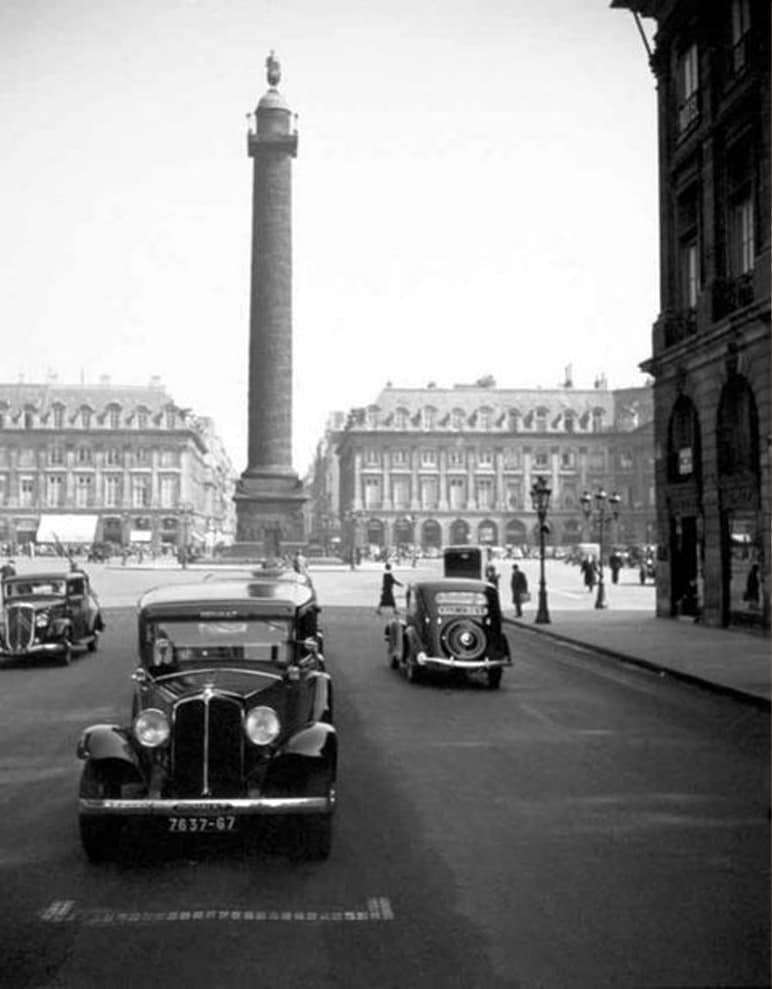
(387, 591)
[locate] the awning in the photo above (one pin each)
(140, 536)
(67, 528)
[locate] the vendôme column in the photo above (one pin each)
(269, 495)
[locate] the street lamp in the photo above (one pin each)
(540, 498)
(186, 511)
(605, 509)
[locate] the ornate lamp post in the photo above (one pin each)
(540, 498)
(605, 509)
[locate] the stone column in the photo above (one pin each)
(269, 495)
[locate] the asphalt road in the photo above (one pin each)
(586, 825)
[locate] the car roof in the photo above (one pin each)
(28, 578)
(233, 591)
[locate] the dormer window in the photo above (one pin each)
(688, 83)
(484, 418)
(513, 421)
(170, 417)
(58, 416)
(400, 418)
(371, 418)
(457, 419)
(597, 420)
(85, 417)
(429, 417)
(142, 419)
(29, 418)
(569, 421)
(114, 417)
(540, 421)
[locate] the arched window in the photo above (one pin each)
(737, 428)
(429, 417)
(457, 419)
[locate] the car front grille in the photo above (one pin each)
(20, 625)
(207, 747)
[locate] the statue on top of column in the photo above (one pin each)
(273, 70)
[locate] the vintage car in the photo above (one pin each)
(49, 615)
(231, 720)
(451, 625)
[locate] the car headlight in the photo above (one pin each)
(151, 728)
(262, 725)
(41, 619)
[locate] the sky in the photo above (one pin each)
(475, 193)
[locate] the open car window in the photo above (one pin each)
(217, 640)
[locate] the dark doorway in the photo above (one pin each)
(684, 566)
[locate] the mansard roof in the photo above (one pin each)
(44, 397)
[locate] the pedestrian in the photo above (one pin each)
(387, 591)
(519, 585)
(615, 565)
(492, 575)
(752, 586)
(589, 571)
(8, 569)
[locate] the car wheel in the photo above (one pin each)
(93, 642)
(98, 835)
(494, 678)
(313, 840)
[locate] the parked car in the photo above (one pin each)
(231, 720)
(451, 625)
(49, 615)
(100, 552)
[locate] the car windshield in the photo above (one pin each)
(27, 588)
(217, 640)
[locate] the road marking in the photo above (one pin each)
(65, 912)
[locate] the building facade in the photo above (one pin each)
(711, 341)
(430, 467)
(110, 463)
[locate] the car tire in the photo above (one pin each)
(494, 678)
(313, 839)
(93, 642)
(99, 836)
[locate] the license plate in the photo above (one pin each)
(202, 825)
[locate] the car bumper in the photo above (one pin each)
(239, 807)
(468, 665)
(36, 649)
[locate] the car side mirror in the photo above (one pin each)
(139, 675)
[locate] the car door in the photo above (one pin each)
(76, 601)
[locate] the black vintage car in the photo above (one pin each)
(451, 625)
(231, 719)
(49, 615)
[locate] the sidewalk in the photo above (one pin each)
(730, 662)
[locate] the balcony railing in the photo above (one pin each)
(678, 326)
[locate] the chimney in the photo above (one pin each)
(568, 381)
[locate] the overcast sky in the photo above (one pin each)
(475, 192)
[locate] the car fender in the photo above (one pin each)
(318, 741)
(101, 742)
(412, 642)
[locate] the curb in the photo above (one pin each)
(762, 703)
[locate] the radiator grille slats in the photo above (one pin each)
(207, 747)
(20, 626)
